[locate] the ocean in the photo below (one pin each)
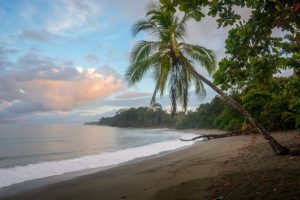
(29, 152)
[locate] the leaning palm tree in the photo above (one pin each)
(173, 63)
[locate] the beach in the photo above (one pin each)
(207, 170)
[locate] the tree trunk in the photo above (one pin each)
(276, 146)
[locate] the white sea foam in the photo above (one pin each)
(18, 174)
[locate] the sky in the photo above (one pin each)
(64, 61)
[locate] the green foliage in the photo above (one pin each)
(138, 117)
(254, 101)
(280, 13)
(228, 119)
(275, 105)
(254, 56)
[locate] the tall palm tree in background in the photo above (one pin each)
(173, 62)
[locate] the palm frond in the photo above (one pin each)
(181, 26)
(164, 21)
(137, 70)
(204, 56)
(199, 88)
(160, 74)
(145, 25)
(142, 50)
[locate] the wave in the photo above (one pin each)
(4, 158)
(19, 174)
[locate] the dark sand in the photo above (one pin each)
(240, 167)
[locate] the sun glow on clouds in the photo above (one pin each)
(64, 95)
(44, 91)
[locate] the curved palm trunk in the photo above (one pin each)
(276, 146)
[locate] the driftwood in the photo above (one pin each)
(213, 136)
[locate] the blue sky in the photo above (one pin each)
(64, 61)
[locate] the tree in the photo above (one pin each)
(173, 61)
(167, 57)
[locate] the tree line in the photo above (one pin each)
(276, 106)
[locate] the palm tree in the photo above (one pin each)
(173, 62)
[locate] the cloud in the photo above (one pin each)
(42, 84)
(69, 14)
(5, 64)
(4, 53)
(65, 95)
(34, 35)
(28, 11)
(206, 33)
(133, 95)
(91, 58)
(106, 70)
(4, 105)
(133, 10)
(33, 60)
(46, 92)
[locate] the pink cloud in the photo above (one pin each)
(65, 95)
(54, 92)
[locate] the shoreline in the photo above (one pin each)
(73, 174)
(42, 182)
(179, 171)
(37, 185)
(34, 184)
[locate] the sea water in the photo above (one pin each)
(29, 152)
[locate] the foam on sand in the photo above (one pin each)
(18, 174)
